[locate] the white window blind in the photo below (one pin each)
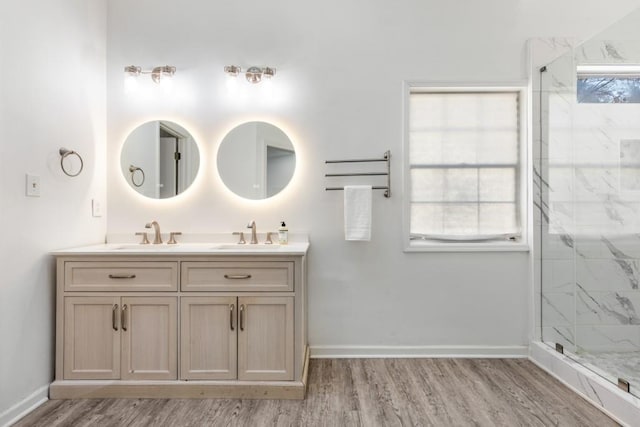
(464, 166)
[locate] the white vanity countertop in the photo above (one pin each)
(191, 244)
(295, 248)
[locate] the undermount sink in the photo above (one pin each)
(246, 247)
(181, 247)
(138, 246)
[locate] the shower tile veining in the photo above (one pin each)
(613, 365)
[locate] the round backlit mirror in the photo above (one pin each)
(160, 159)
(256, 160)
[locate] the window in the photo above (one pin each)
(608, 84)
(464, 175)
(608, 90)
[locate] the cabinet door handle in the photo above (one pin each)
(242, 317)
(122, 276)
(232, 307)
(114, 317)
(237, 276)
(124, 317)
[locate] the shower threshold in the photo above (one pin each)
(597, 388)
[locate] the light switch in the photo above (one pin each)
(96, 208)
(33, 186)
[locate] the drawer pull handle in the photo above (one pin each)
(124, 317)
(231, 309)
(242, 317)
(122, 276)
(237, 276)
(114, 317)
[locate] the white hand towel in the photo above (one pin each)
(357, 212)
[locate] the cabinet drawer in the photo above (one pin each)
(121, 276)
(237, 276)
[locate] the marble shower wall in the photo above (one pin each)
(590, 197)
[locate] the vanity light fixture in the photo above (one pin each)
(157, 73)
(232, 70)
(133, 70)
(253, 74)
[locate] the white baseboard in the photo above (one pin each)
(366, 351)
(623, 407)
(26, 405)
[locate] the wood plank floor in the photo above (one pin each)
(362, 392)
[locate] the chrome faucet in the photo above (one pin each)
(156, 228)
(252, 226)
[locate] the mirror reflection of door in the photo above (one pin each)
(280, 163)
(168, 166)
(174, 147)
(170, 161)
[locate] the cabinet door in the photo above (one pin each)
(265, 338)
(149, 338)
(91, 338)
(208, 338)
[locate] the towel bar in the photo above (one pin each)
(342, 188)
(386, 158)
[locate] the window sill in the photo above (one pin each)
(466, 247)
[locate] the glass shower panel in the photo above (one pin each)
(590, 207)
(607, 217)
(557, 90)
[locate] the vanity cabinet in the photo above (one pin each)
(115, 337)
(208, 338)
(245, 338)
(265, 338)
(91, 343)
(107, 276)
(237, 276)
(185, 325)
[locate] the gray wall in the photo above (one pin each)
(52, 90)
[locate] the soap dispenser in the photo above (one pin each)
(283, 234)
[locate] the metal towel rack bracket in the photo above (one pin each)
(385, 158)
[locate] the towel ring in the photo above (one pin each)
(133, 170)
(64, 153)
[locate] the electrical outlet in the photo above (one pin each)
(96, 208)
(33, 186)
